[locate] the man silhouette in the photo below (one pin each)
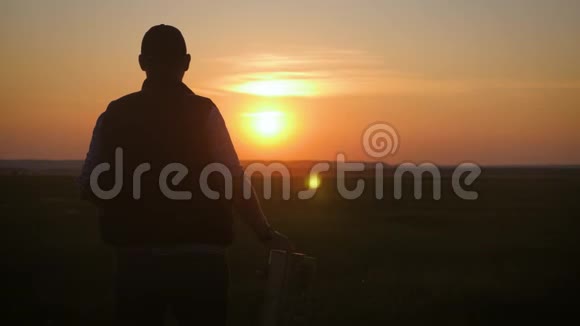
(170, 252)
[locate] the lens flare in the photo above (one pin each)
(313, 181)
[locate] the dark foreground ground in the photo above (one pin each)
(510, 257)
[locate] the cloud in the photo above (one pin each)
(329, 72)
(311, 73)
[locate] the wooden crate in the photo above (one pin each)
(288, 294)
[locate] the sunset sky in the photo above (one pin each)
(493, 82)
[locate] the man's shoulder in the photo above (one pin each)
(127, 100)
(136, 100)
(195, 101)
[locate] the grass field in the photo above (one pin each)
(510, 257)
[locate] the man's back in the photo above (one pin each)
(160, 126)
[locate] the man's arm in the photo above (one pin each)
(93, 158)
(249, 209)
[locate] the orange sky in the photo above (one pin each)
(494, 82)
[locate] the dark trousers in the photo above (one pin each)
(193, 286)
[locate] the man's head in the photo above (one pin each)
(164, 54)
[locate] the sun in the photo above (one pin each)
(267, 125)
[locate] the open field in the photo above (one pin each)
(510, 257)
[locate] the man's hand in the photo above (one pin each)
(278, 241)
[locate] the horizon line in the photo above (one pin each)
(244, 161)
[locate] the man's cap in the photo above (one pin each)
(163, 41)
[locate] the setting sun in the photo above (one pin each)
(268, 125)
